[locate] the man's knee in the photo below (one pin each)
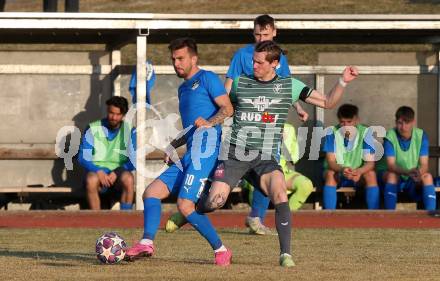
(214, 198)
(275, 185)
(156, 189)
(427, 179)
(185, 206)
(391, 178)
(329, 177)
(305, 184)
(370, 178)
(127, 181)
(208, 204)
(92, 182)
(278, 194)
(205, 206)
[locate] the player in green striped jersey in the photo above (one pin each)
(261, 103)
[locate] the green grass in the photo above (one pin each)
(320, 254)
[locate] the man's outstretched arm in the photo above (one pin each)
(331, 100)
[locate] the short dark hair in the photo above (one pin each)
(406, 113)
(347, 111)
(273, 50)
(119, 102)
(264, 20)
(180, 43)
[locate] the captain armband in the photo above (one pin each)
(305, 93)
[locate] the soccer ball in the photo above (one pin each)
(110, 248)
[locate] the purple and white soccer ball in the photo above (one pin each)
(110, 248)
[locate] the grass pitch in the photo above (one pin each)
(320, 254)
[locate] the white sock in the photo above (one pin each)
(146, 242)
(221, 249)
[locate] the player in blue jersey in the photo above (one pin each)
(203, 105)
(242, 63)
(102, 155)
(405, 166)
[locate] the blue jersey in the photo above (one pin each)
(329, 144)
(404, 145)
(242, 63)
(151, 79)
(197, 99)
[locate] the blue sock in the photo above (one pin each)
(429, 197)
(329, 197)
(390, 196)
(126, 206)
(260, 203)
(372, 197)
(152, 210)
(202, 224)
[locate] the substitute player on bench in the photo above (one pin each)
(103, 153)
(349, 159)
(404, 167)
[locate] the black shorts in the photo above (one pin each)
(115, 190)
(231, 170)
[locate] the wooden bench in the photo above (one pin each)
(316, 195)
(20, 193)
(31, 153)
(10, 194)
(49, 154)
(26, 190)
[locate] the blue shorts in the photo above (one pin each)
(189, 183)
(343, 181)
(407, 186)
(380, 181)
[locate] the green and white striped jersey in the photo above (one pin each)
(261, 109)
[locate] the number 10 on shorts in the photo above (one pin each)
(189, 179)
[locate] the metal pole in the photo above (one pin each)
(319, 121)
(141, 93)
(319, 112)
(71, 6)
(50, 5)
(438, 108)
(116, 62)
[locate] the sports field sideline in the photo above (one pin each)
(223, 218)
(326, 246)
